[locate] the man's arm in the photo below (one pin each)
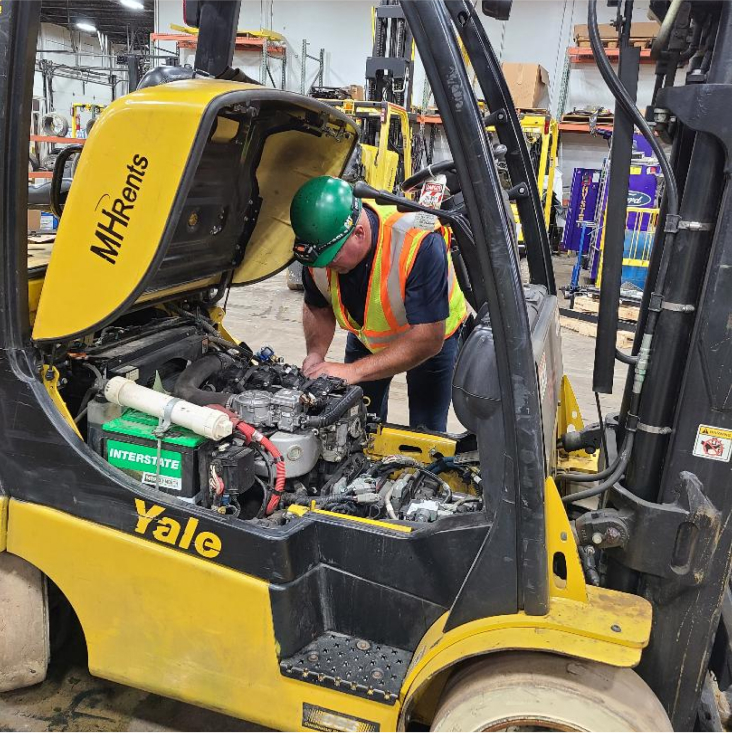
(420, 343)
(319, 327)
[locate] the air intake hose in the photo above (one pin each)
(187, 387)
(333, 413)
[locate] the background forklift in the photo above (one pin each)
(529, 613)
(383, 157)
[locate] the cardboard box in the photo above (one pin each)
(644, 29)
(356, 92)
(529, 85)
(609, 34)
(34, 221)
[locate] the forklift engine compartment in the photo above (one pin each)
(318, 430)
(185, 194)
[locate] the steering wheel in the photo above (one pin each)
(445, 166)
(57, 195)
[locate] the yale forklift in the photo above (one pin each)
(231, 534)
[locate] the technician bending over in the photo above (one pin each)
(390, 285)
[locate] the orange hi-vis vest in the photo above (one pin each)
(385, 314)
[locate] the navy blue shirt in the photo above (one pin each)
(426, 297)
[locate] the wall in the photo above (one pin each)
(57, 46)
(539, 31)
(342, 28)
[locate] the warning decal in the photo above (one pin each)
(713, 443)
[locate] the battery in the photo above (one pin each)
(177, 463)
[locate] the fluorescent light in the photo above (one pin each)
(132, 4)
(88, 27)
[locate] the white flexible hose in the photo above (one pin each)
(201, 420)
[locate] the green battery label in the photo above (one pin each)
(144, 459)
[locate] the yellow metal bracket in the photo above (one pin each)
(300, 511)
(566, 578)
(569, 418)
(50, 378)
(217, 314)
(423, 447)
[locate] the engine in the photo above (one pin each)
(297, 441)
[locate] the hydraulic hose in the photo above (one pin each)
(252, 435)
(613, 473)
(352, 397)
(626, 102)
(193, 376)
(617, 472)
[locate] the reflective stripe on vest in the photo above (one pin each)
(385, 315)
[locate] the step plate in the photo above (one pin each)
(347, 664)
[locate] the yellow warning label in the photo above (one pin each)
(714, 444)
(715, 432)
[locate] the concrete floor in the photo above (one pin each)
(71, 699)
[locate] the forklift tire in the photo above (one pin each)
(540, 691)
(24, 631)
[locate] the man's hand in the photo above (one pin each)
(311, 362)
(319, 327)
(419, 343)
(348, 372)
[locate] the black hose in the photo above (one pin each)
(626, 102)
(586, 477)
(629, 359)
(193, 376)
(603, 435)
(216, 337)
(617, 473)
(331, 415)
(672, 212)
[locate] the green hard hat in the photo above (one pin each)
(324, 213)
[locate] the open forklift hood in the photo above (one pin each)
(181, 187)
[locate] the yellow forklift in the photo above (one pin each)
(378, 164)
(234, 535)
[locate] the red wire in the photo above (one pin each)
(252, 434)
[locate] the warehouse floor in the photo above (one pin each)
(71, 699)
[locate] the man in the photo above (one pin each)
(390, 285)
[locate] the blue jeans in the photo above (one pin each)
(429, 386)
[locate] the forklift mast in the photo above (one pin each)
(390, 68)
(669, 488)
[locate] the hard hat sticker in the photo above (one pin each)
(713, 443)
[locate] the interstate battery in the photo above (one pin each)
(177, 463)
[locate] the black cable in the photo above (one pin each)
(615, 476)
(586, 477)
(626, 102)
(629, 359)
(603, 436)
(672, 208)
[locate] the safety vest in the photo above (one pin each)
(385, 315)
